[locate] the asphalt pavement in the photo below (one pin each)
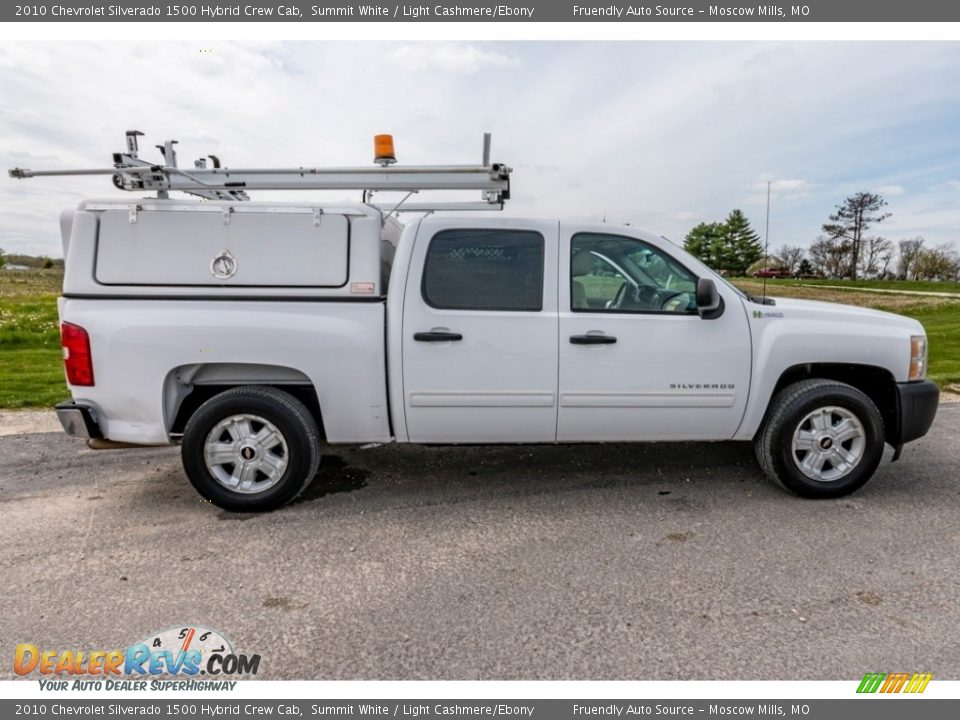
(666, 561)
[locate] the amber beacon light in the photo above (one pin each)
(383, 153)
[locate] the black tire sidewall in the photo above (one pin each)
(296, 434)
(781, 438)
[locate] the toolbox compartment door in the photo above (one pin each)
(292, 248)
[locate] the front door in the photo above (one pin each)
(636, 360)
(480, 333)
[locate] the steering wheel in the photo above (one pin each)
(668, 297)
(618, 298)
(641, 297)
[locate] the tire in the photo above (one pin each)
(820, 439)
(251, 449)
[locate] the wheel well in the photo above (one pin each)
(876, 383)
(189, 386)
(201, 393)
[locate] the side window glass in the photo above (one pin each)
(484, 270)
(610, 273)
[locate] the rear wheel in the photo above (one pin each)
(251, 449)
(820, 439)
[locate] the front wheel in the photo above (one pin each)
(251, 449)
(820, 439)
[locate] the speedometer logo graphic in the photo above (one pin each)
(192, 637)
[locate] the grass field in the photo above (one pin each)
(911, 285)
(31, 367)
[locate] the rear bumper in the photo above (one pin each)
(78, 420)
(916, 408)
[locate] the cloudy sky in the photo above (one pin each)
(660, 135)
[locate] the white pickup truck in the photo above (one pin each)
(254, 333)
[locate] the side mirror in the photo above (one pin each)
(709, 302)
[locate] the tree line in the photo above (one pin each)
(845, 249)
(31, 261)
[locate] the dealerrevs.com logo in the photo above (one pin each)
(186, 651)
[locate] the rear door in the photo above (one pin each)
(480, 332)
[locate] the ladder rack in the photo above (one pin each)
(213, 182)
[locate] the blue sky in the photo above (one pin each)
(659, 134)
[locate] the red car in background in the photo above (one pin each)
(772, 273)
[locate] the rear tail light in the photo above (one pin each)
(76, 354)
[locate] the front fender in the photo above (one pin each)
(791, 334)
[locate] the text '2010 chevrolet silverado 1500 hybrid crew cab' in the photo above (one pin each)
(252, 333)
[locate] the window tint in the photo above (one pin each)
(610, 273)
(484, 270)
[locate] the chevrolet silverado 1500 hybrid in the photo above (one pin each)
(254, 333)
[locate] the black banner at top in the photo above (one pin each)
(299, 11)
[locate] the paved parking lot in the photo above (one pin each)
(594, 562)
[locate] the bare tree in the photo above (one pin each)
(875, 256)
(789, 258)
(829, 256)
(910, 251)
(939, 263)
(851, 221)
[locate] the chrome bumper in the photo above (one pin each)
(78, 420)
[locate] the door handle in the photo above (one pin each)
(593, 339)
(437, 336)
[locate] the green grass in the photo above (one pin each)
(942, 323)
(31, 377)
(911, 285)
(31, 362)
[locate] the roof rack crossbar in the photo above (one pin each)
(130, 172)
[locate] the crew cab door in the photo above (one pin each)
(479, 336)
(636, 360)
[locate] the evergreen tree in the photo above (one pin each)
(741, 246)
(729, 247)
(701, 242)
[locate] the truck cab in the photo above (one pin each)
(546, 331)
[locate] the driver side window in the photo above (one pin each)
(611, 273)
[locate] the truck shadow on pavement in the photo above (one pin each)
(425, 475)
(335, 477)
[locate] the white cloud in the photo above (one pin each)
(792, 186)
(780, 189)
(889, 190)
(450, 57)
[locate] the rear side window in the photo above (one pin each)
(484, 270)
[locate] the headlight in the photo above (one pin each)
(918, 357)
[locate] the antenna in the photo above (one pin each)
(766, 243)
